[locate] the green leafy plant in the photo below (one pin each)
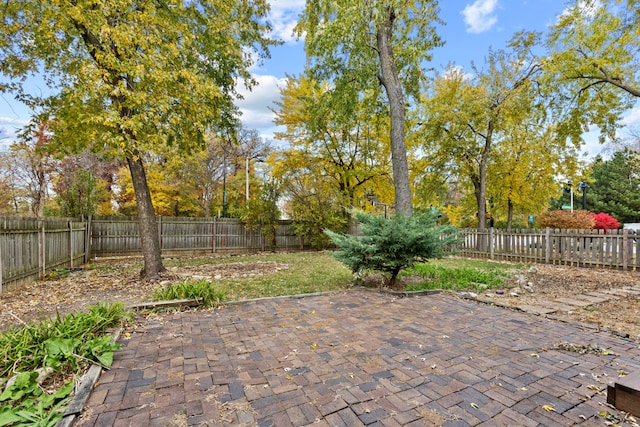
(25, 384)
(391, 245)
(31, 406)
(201, 290)
(64, 345)
(25, 348)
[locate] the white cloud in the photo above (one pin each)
(284, 17)
(7, 121)
(255, 106)
(479, 16)
(587, 9)
(9, 130)
(457, 70)
(633, 118)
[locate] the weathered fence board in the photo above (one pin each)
(585, 248)
(118, 236)
(30, 247)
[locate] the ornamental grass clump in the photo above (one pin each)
(201, 290)
(391, 245)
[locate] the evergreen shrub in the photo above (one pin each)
(390, 245)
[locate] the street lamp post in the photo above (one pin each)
(582, 186)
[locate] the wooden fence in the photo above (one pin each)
(119, 236)
(584, 248)
(29, 248)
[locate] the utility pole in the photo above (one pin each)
(224, 179)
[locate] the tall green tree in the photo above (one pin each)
(363, 45)
(615, 186)
(527, 160)
(594, 64)
(81, 196)
(131, 75)
(467, 116)
(83, 185)
(349, 149)
(262, 210)
(312, 201)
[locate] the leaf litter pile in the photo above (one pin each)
(107, 280)
(548, 285)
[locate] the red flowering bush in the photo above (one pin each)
(605, 221)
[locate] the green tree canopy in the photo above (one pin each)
(131, 75)
(489, 122)
(363, 46)
(594, 64)
(615, 186)
(350, 150)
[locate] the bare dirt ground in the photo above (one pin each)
(544, 283)
(120, 282)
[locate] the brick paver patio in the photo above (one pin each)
(358, 358)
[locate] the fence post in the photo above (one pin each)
(547, 246)
(159, 231)
(215, 233)
(87, 239)
(491, 245)
(70, 244)
(625, 253)
(42, 255)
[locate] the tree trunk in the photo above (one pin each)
(391, 81)
(393, 279)
(42, 191)
(146, 219)
(481, 201)
(509, 214)
(481, 197)
(481, 187)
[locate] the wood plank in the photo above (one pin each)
(625, 394)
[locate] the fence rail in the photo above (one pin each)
(615, 249)
(119, 236)
(29, 247)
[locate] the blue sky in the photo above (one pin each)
(471, 28)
